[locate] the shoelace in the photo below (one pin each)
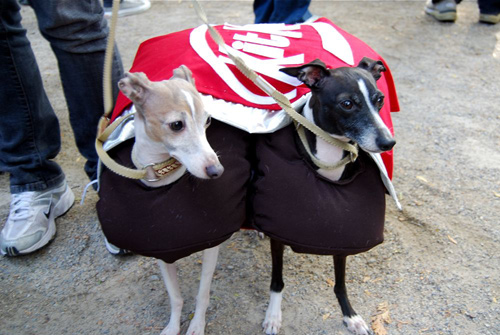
(21, 205)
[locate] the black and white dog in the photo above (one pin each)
(345, 102)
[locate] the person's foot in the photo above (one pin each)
(31, 224)
(129, 7)
(444, 11)
(489, 18)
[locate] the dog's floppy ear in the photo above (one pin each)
(183, 72)
(310, 74)
(134, 86)
(375, 67)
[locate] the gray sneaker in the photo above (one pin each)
(31, 224)
(129, 7)
(444, 11)
(489, 18)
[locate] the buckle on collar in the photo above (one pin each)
(151, 166)
(162, 169)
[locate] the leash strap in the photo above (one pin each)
(105, 129)
(299, 120)
(160, 169)
(344, 161)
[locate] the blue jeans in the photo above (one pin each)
(491, 7)
(281, 11)
(29, 129)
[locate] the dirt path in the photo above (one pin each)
(438, 270)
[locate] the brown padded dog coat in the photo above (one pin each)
(294, 204)
(187, 216)
(284, 198)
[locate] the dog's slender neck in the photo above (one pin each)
(324, 151)
(146, 152)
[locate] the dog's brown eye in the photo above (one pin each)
(347, 104)
(209, 120)
(380, 100)
(176, 126)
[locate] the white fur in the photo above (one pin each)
(190, 102)
(368, 139)
(169, 273)
(272, 322)
(191, 148)
(325, 152)
(356, 325)
(148, 151)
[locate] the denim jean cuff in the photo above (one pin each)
(37, 186)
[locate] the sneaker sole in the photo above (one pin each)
(62, 207)
(450, 16)
(489, 18)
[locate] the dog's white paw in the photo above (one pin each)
(171, 330)
(356, 325)
(196, 327)
(272, 322)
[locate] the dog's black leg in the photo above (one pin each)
(272, 322)
(340, 288)
(277, 249)
(352, 320)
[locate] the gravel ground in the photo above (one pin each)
(438, 270)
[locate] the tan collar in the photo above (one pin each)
(160, 170)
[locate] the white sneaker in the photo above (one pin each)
(31, 223)
(129, 7)
(444, 10)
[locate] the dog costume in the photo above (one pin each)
(269, 184)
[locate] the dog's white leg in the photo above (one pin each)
(197, 325)
(356, 325)
(169, 273)
(272, 322)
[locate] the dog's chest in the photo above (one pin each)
(329, 154)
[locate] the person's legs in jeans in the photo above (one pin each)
(77, 34)
(29, 140)
(29, 129)
(279, 11)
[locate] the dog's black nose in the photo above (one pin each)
(214, 171)
(385, 144)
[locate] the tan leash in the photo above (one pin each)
(344, 161)
(299, 120)
(105, 129)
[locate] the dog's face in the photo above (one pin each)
(346, 101)
(173, 115)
